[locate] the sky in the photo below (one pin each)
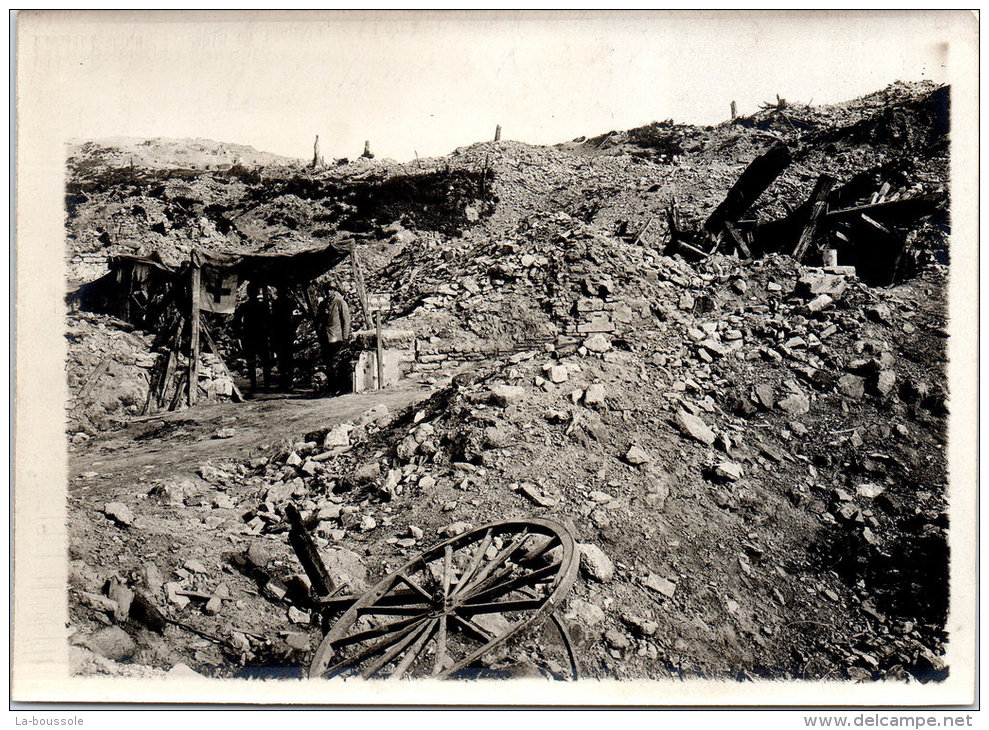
(426, 83)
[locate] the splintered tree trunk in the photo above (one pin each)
(497, 133)
(734, 114)
(753, 181)
(818, 204)
(317, 158)
(367, 150)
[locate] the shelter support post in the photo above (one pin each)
(194, 336)
(380, 355)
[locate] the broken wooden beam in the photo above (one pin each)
(97, 373)
(740, 241)
(306, 551)
(643, 230)
(752, 183)
(694, 249)
(818, 203)
(874, 223)
(916, 206)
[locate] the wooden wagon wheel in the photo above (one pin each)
(446, 608)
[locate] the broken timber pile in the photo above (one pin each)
(816, 225)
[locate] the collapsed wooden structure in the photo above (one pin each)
(868, 226)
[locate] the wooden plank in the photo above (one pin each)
(696, 250)
(743, 247)
(818, 203)
(874, 223)
(94, 377)
(642, 232)
(755, 178)
(904, 206)
(238, 397)
(194, 336)
(308, 555)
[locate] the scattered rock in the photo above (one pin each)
(181, 670)
(594, 395)
(558, 374)
(885, 382)
(194, 565)
(297, 640)
(636, 456)
(585, 612)
(375, 414)
(694, 427)
(338, 436)
(454, 529)
(728, 471)
(598, 343)
(764, 394)
(119, 513)
(112, 643)
(298, 617)
(505, 395)
(660, 584)
(595, 564)
(345, 567)
(851, 386)
(796, 404)
(818, 304)
(616, 639)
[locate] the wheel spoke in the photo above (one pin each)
(415, 586)
(371, 650)
(413, 653)
(498, 560)
(473, 609)
(475, 562)
(447, 562)
(533, 554)
(440, 646)
(397, 610)
(375, 632)
(523, 580)
(393, 652)
(472, 627)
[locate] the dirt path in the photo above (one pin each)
(177, 443)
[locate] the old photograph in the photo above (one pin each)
(501, 346)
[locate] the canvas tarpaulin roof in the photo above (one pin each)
(295, 267)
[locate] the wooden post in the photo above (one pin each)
(194, 336)
(818, 203)
(497, 133)
(380, 356)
